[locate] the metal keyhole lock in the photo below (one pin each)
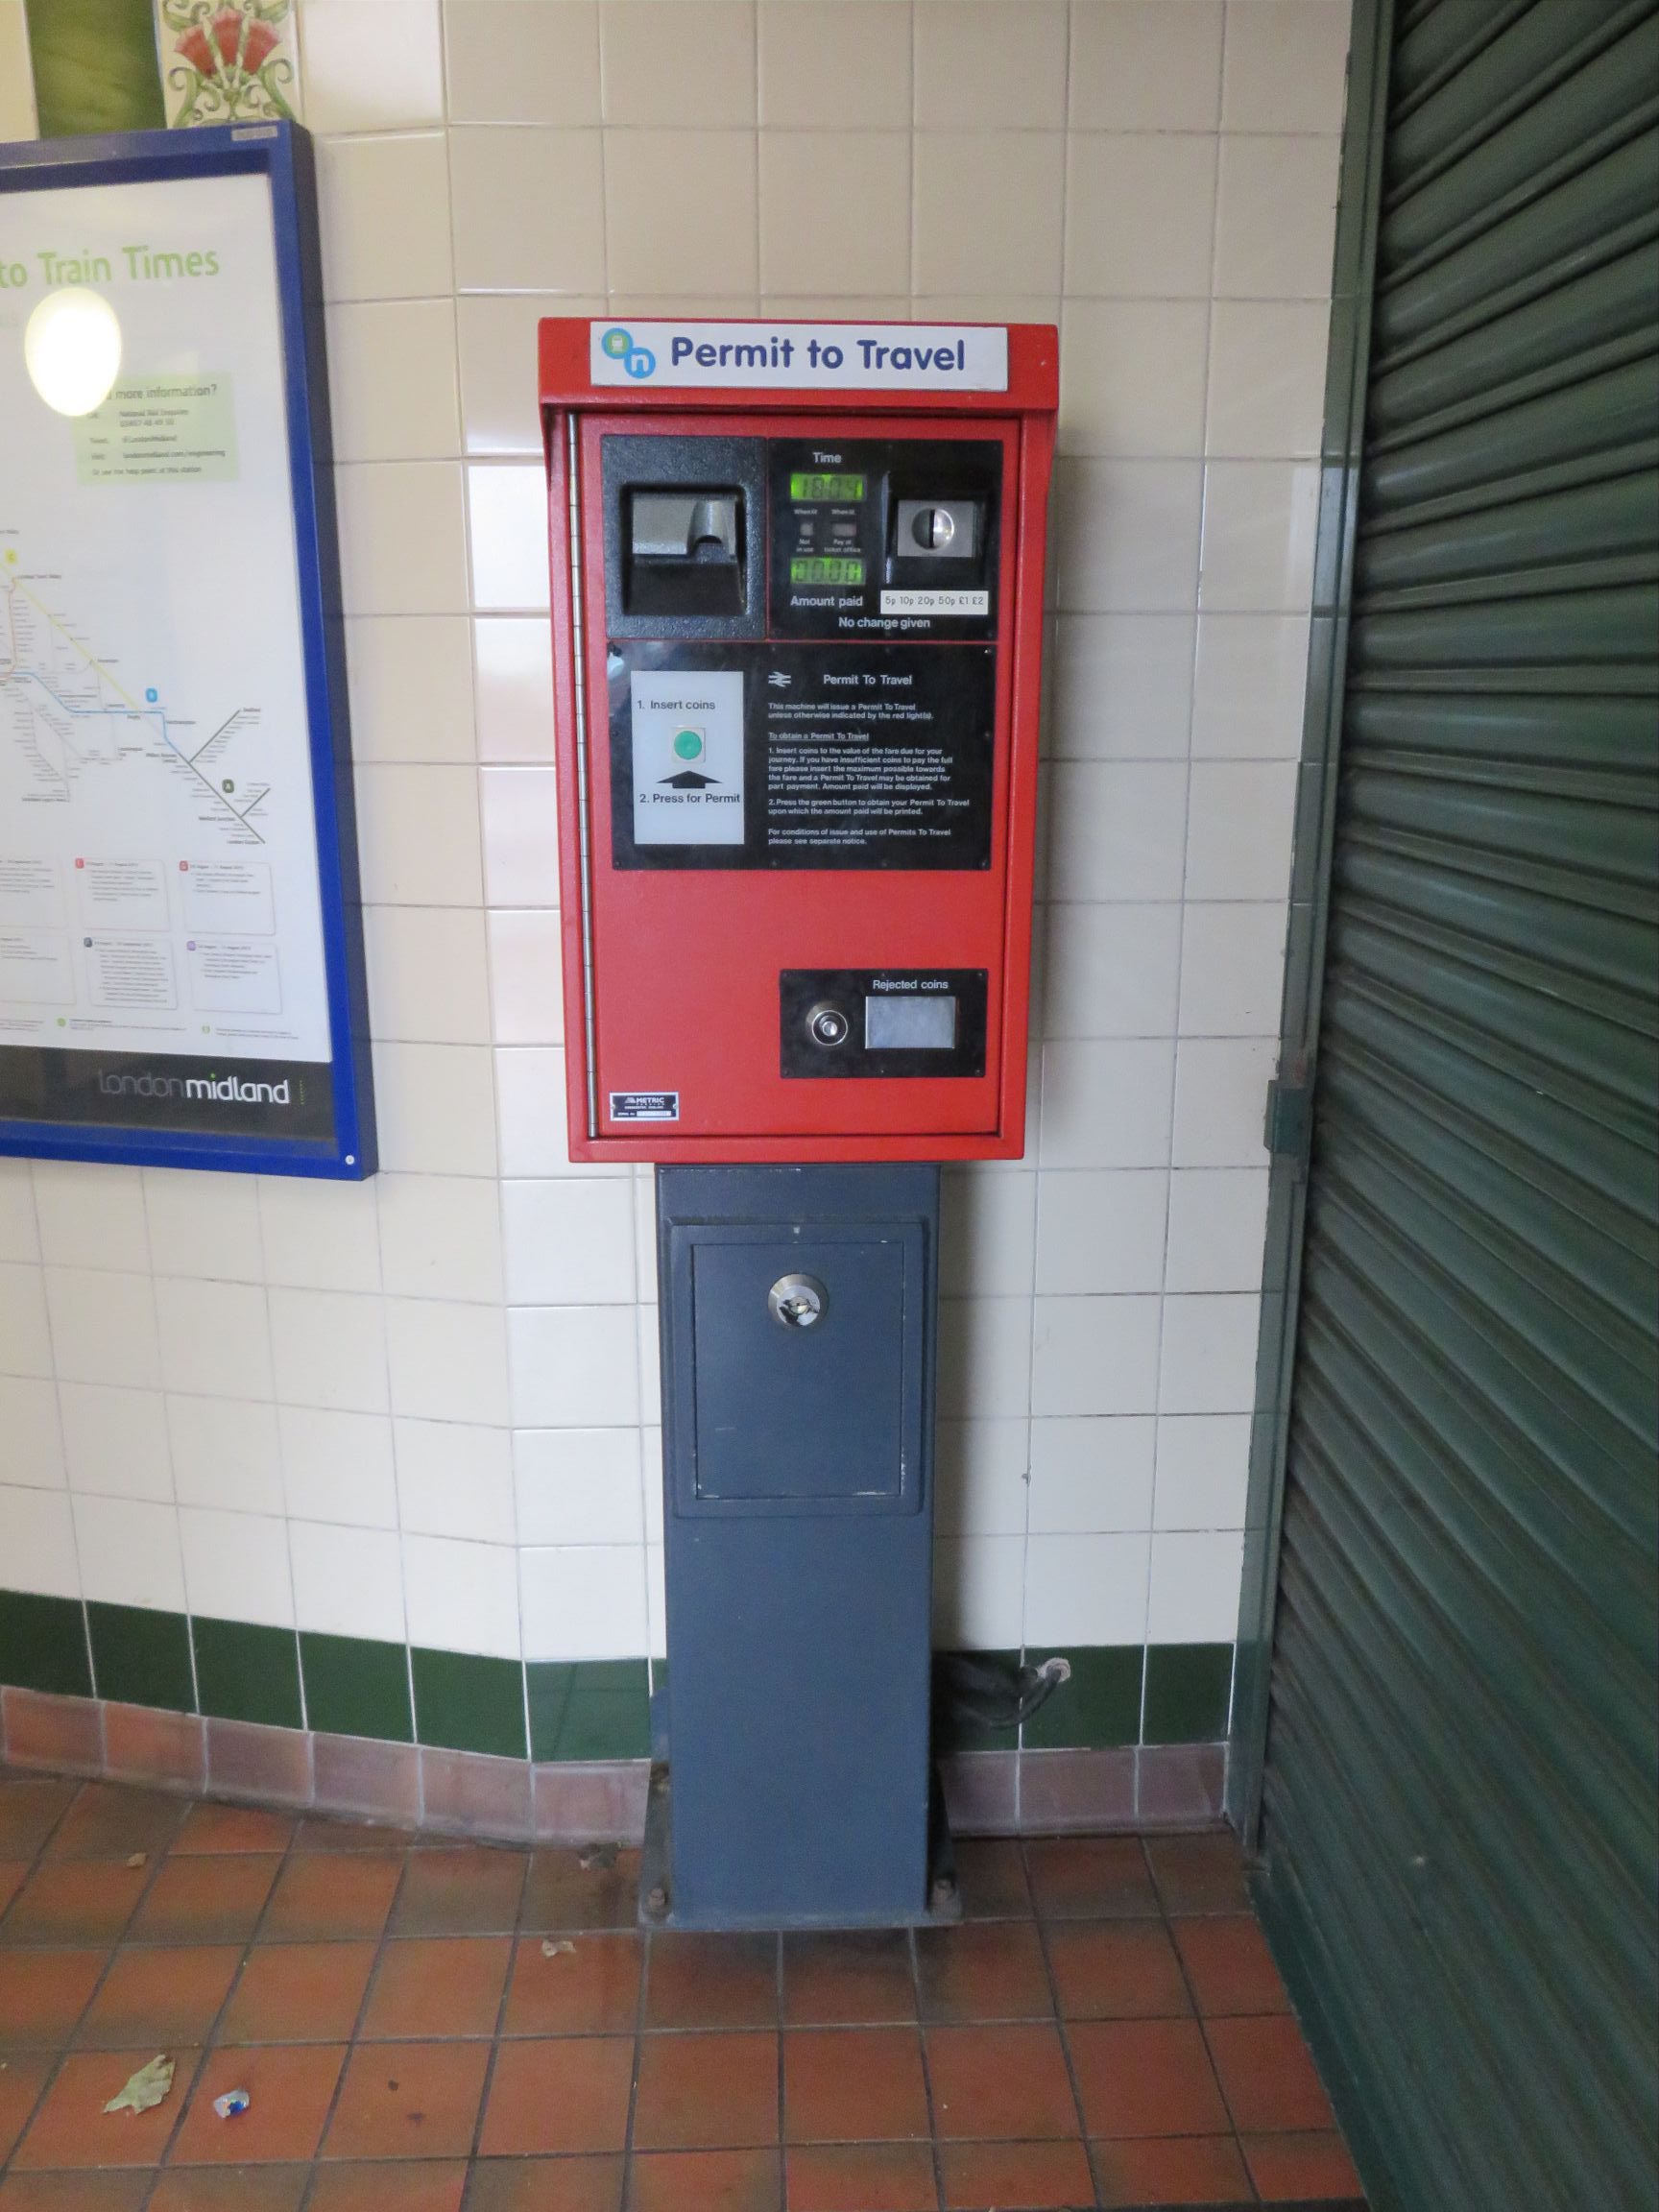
(797, 1300)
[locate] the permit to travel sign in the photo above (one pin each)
(180, 955)
(815, 356)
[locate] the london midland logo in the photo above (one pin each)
(636, 360)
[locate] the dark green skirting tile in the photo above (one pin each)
(467, 1704)
(953, 1730)
(43, 1644)
(1188, 1690)
(248, 1674)
(1098, 1708)
(589, 1709)
(141, 1657)
(355, 1687)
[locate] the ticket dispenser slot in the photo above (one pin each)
(684, 536)
(685, 552)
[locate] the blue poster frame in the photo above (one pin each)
(282, 154)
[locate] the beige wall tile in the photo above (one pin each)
(529, 210)
(391, 380)
(511, 62)
(835, 64)
(1286, 65)
(1267, 378)
(402, 547)
(1276, 218)
(418, 836)
(998, 64)
(1145, 65)
(371, 64)
(1139, 217)
(16, 79)
(428, 977)
(687, 62)
(1260, 518)
(1250, 682)
(1132, 376)
(988, 211)
(385, 217)
(411, 685)
(680, 211)
(436, 1108)
(836, 211)
(1126, 536)
(500, 407)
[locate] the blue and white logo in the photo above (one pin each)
(637, 360)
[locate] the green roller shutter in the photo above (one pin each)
(1458, 1804)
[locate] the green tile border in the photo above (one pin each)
(141, 1657)
(464, 1702)
(43, 1644)
(248, 1674)
(356, 1687)
(95, 66)
(1098, 1709)
(1189, 1691)
(589, 1709)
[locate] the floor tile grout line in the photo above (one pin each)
(782, 2199)
(934, 2150)
(1062, 2027)
(1168, 1925)
(493, 2057)
(646, 1940)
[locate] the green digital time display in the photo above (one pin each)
(827, 568)
(816, 488)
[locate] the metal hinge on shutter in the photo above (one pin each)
(1288, 1129)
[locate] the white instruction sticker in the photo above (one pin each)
(644, 1105)
(935, 602)
(688, 756)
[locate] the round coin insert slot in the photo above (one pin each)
(933, 528)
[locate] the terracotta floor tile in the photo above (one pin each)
(984, 1970)
(206, 1900)
(290, 2086)
(861, 1978)
(13, 1873)
(408, 2100)
(22, 2078)
(211, 1827)
(1229, 1965)
(1036, 2177)
(564, 2094)
(1116, 1970)
(1145, 2077)
(29, 1812)
(1090, 1877)
(592, 1990)
(542, 2185)
(74, 1902)
(159, 1997)
(994, 2084)
(861, 2177)
(299, 1993)
(113, 1820)
(73, 2192)
(468, 1891)
(442, 1985)
(711, 1981)
(230, 2189)
(706, 2181)
(1203, 1874)
(332, 1899)
(326, 1833)
(991, 1878)
(72, 2128)
(562, 1893)
(409, 2185)
(1293, 2167)
(853, 2085)
(706, 2092)
(1171, 2170)
(1268, 2077)
(43, 1993)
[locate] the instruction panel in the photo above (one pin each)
(162, 938)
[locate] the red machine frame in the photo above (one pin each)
(1023, 416)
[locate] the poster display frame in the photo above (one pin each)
(282, 154)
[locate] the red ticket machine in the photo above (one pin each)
(797, 576)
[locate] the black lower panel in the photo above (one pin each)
(172, 1091)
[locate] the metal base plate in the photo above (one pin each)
(942, 1907)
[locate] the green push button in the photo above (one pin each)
(687, 744)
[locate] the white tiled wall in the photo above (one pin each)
(426, 1405)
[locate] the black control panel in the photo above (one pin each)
(882, 1021)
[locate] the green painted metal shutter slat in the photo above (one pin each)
(1457, 1821)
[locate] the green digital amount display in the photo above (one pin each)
(827, 568)
(814, 487)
